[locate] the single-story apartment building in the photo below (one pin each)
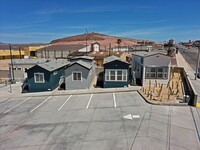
(44, 77)
(18, 73)
(116, 72)
(80, 73)
(152, 66)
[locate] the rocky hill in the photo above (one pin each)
(103, 39)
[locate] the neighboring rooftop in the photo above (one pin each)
(83, 57)
(29, 61)
(112, 58)
(66, 47)
(104, 54)
(85, 64)
(147, 54)
(54, 65)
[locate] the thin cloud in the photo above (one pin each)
(25, 25)
(49, 11)
(111, 8)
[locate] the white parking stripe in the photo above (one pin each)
(89, 101)
(115, 105)
(17, 105)
(64, 103)
(41, 103)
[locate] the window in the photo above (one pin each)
(77, 76)
(19, 68)
(116, 75)
(112, 75)
(156, 73)
(39, 77)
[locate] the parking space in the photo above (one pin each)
(120, 120)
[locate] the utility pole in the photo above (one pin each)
(197, 64)
(20, 54)
(109, 48)
(11, 61)
(86, 37)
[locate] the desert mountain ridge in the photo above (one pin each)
(104, 40)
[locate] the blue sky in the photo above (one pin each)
(26, 21)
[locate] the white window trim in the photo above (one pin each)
(73, 75)
(109, 70)
(156, 73)
(39, 81)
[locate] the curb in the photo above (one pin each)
(108, 91)
(162, 103)
(76, 93)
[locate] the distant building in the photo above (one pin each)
(44, 77)
(152, 66)
(30, 51)
(116, 72)
(95, 47)
(99, 56)
(60, 51)
(188, 44)
(19, 51)
(121, 49)
(20, 66)
(145, 48)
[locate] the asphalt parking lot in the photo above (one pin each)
(106, 121)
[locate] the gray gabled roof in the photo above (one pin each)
(85, 64)
(54, 65)
(112, 58)
(28, 61)
(83, 57)
(147, 54)
(64, 47)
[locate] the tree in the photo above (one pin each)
(119, 42)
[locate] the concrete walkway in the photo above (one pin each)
(15, 91)
(181, 62)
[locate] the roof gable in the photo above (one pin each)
(29, 61)
(54, 65)
(112, 59)
(83, 57)
(87, 65)
(148, 54)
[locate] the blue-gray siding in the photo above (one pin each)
(51, 80)
(87, 77)
(116, 65)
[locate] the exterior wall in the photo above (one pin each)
(122, 49)
(5, 54)
(28, 49)
(87, 77)
(154, 61)
(142, 47)
(116, 65)
(51, 81)
(52, 54)
(136, 66)
(96, 47)
(20, 75)
(85, 49)
(123, 56)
